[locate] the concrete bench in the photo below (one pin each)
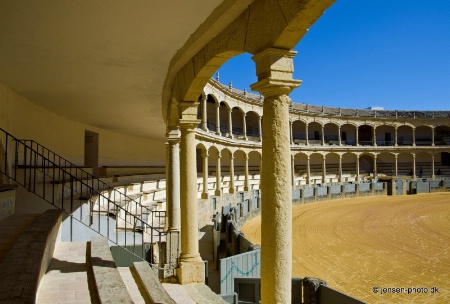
(27, 260)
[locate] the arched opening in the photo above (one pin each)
(315, 133)
(348, 167)
(332, 168)
(238, 122)
(404, 134)
(366, 164)
(301, 169)
(252, 123)
(211, 104)
(331, 134)
(385, 135)
(442, 136)
(365, 135)
(348, 135)
(316, 162)
(223, 114)
(386, 164)
(299, 132)
(423, 136)
(239, 170)
(254, 168)
(405, 164)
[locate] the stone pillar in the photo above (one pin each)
(375, 174)
(173, 179)
(306, 135)
(293, 171)
(231, 189)
(357, 135)
(218, 118)
(244, 129)
(396, 165)
(230, 124)
(414, 167)
(432, 138)
(414, 137)
(260, 128)
(246, 173)
(205, 193)
(292, 134)
(204, 113)
(339, 136)
(340, 168)
(192, 268)
(311, 290)
(323, 135)
(218, 191)
(308, 170)
(274, 69)
(357, 169)
(433, 176)
(396, 136)
(324, 168)
(374, 142)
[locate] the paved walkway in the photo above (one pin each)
(66, 279)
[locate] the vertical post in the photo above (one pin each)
(433, 176)
(218, 176)
(357, 169)
(374, 141)
(293, 171)
(260, 128)
(292, 134)
(414, 136)
(339, 136)
(246, 173)
(432, 137)
(192, 268)
(396, 136)
(414, 166)
(274, 69)
(230, 124)
(244, 122)
(396, 165)
(357, 135)
(340, 168)
(308, 170)
(204, 113)
(173, 179)
(324, 169)
(205, 193)
(375, 174)
(323, 135)
(306, 134)
(231, 189)
(218, 118)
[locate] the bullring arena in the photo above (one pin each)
(358, 244)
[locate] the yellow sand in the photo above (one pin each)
(384, 241)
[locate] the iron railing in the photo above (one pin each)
(72, 189)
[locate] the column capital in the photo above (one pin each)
(274, 68)
(205, 153)
(188, 110)
(173, 134)
(246, 156)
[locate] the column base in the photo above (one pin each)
(245, 188)
(231, 190)
(218, 193)
(205, 195)
(191, 272)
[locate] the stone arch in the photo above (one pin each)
(365, 135)
(331, 135)
(385, 135)
(349, 166)
(386, 164)
(315, 133)
(348, 134)
(404, 134)
(299, 131)
(442, 135)
(211, 113)
(405, 164)
(252, 123)
(423, 135)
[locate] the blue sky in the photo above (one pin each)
(389, 53)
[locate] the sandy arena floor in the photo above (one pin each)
(358, 244)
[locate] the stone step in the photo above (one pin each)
(130, 283)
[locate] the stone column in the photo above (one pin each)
(292, 134)
(339, 136)
(205, 193)
(204, 113)
(308, 170)
(173, 179)
(244, 122)
(218, 176)
(231, 189)
(357, 169)
(340, 168)
(293, 171)
(218, 118)
(433, 176)
(306, 135)
(323, 135)
(260, 128)
(432, 138)
(230, 124)
(396, 165)
(324, 168)
(192, 268)
(274, 69)
(375, 174)
(396, 136)
(357, 135)
(374, 142)
(246, 173)
(414, 137)
(414, 167)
